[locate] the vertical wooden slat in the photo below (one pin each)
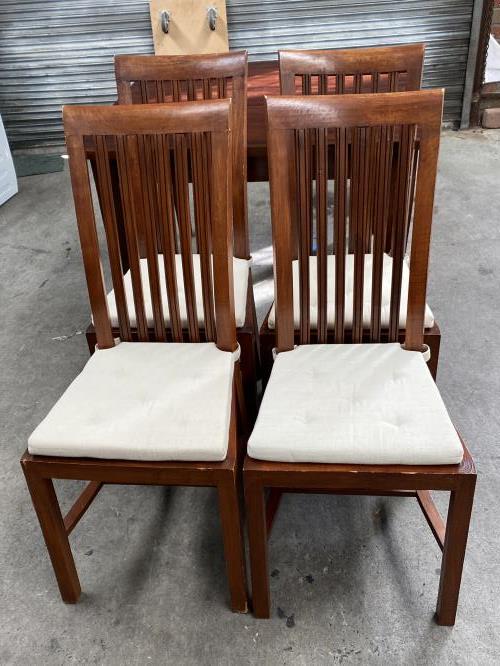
(221, 88)
(176, 91)
(115, 180)
(151, 213)
(322, 238)
(306, 84)
(184, 219)
(308, 145)
(117, 204)
(167, 233)
(130, 182)
(405, 161)
(383, 171)
(222, 239)
(281, 146)
(159, 92)
(165, 92)
(200, 152)
(323, 84)
(356, 226)
(144, 91)
(421, 234)
(377, 254)
(89, 240)
(239, 177)
(412, 192)
(304, 230)
(340, 202)
(113, 242)
(369, 188)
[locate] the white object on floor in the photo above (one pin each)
(144, 401)
(241, 269)
(349, 293)
(373, 404)
(8, 180)
(492, 73)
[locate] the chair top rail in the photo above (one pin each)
(402, 58)
(420, 107)
(211, 65)
(197, 116)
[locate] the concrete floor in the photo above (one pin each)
(354, 580)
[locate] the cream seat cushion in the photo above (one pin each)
(144, 401)
(349, 291)
(240, 280)
(358, 404)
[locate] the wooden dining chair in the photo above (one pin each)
(166, 79)
(360, 417)
(352, 71)
(161, 406)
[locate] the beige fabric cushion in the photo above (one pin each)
(144, 401)
(359, 404)
(240, 278)
(349, 293)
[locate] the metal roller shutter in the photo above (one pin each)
(61, 51)
(264, 26)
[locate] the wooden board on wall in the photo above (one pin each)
(188, 29)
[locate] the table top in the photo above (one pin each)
(263, 79)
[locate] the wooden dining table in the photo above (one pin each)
(263, 79)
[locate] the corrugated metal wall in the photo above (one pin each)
(58, 52)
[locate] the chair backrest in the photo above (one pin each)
(351, 71)
(361, 132)
(163, 79)
(156, 149)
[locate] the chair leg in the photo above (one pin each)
(234, 550)
(51, 521)
(257, 537)
(457, 528)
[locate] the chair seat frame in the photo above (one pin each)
(383, 480)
